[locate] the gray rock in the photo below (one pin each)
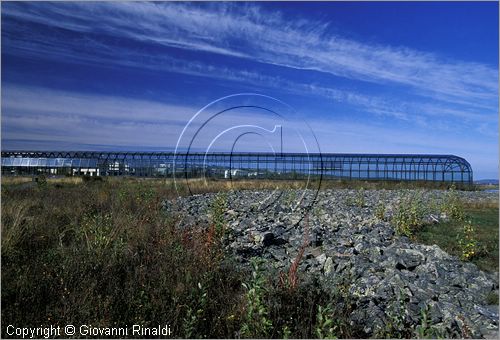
(348, 244)
(321, 259)
(328, 266)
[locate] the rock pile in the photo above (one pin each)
(386, 273)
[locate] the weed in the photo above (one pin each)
(409, 214)
(15, 226)
(256, 321)
(325, 326)
(426, 330)
(195, 313)
(290, 281)
(395, 326)
(217, 209)
(465, 329)
(290, 198)
(467, 242)
(453, 205)
(96, 231)
(380, 211)
(359, 201)
(286, 333)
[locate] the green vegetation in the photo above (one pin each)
(105, 253)
(492, 298)
(218, 208)
(256, 322)
(426, 330)
(409, 214)
(360, 198)
(326, 326)
(357, 200)
(380, 211)
(216, 185)
(471, 231)
(453, 206)
(484, 234)
(396, 326)
(467, 242)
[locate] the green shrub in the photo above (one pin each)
(453, 206)
(256, 322)
(409, 214)
(195, 313)
(426, 330)
(325, 325)
(217, 209)
(290, 198)
(357, 200)
(492, 298)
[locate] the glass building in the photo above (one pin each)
(398, 167)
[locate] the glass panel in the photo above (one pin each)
(7, 161)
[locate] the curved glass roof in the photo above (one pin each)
(348, 166)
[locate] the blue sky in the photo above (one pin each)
(390, 77)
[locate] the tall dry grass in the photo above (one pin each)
(105, 253)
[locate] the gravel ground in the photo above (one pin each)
(347, 241)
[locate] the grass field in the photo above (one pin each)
(215, 185)
(105, 253)
(485, 221)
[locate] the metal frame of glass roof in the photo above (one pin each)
(405, 167)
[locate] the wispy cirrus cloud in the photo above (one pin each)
(58, 116)
(28, 100)
(42, 114)
(250, 32)
(410, 111)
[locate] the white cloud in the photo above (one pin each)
(26, 100)
(35, 113)
(247, 31)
